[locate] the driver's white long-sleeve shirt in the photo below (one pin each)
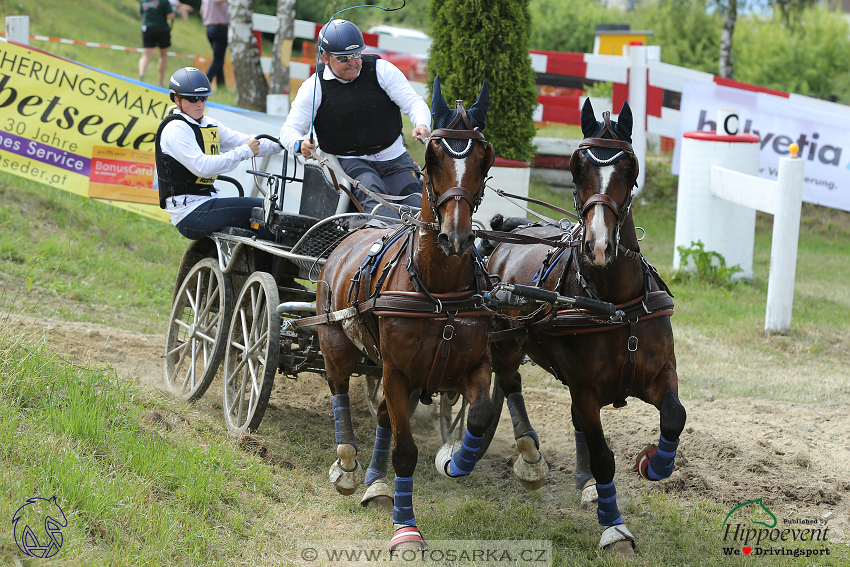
(394, 83)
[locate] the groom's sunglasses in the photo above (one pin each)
(194, 99)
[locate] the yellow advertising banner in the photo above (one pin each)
(78, 129)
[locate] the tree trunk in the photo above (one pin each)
(727, 65)
(282, 52)
(251, 86)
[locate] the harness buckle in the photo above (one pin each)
(439, 306)
(632, 344)
(448, 332)
(376, 248)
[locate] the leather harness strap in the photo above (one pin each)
(441, 361)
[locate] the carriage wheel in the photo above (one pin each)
(253, 349)
(453, 418)
(197, 326)
(374, 391)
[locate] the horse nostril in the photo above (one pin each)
(443, 239)
(588, 247)
(470, 241)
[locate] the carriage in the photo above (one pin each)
(206, 325)
(235, 295)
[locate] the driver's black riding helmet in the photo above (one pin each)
(341, 37)
(189, 81)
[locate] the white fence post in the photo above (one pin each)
(18, 29)
(637, 102)
(783, 199)
(783, 248)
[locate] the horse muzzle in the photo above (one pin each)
(455, 243)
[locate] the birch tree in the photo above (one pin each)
(251, 86)
(282, 51)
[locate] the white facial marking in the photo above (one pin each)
(597, 228)
(460, 169)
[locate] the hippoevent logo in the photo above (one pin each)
(752, 529)
(38, 527)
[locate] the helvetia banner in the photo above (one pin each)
(818, 128)
(77, 129)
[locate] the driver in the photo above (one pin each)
(191, 151)
(357, 116)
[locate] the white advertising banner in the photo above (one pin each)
(822, 130)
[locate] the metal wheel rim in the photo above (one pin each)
(251, 358)
(453, 425)
(197, 325)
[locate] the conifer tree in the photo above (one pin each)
(475, 40)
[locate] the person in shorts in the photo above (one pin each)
(156, 32)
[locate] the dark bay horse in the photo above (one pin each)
(601, 362)
(413, 296)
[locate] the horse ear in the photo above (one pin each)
(625, 121)
(478, 111)
(589, 125)
(438, 103)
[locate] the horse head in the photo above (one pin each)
(457, 159)
(604, 169)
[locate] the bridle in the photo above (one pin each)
(457, 193)
(620, 212)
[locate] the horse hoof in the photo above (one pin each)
(622, 549)
(531, 475)
(589, 497)
(444, 457)
(618, 541)
(642, 462)
(346, 481)
(379, 497)
(407, 538)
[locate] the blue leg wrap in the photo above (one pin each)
(609, 514)
(342, 420)
(464, 460)
(380, 455)
(661, 464)
(519, 417)
(403, 504)
(583, 473)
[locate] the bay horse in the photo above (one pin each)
(412, 296)
(602, 362)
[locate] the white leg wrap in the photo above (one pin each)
(530, 467)
(379, 488)
(346, 481)
(616, 534)
(589, 497)
(444, 457)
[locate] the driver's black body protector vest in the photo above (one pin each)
(356, 118)
(174, 178)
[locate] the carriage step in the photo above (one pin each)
(288, 306)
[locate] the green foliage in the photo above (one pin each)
(476, 40)
(688, 34)
(569, 25)
(661, 186)
(709, 266)
(601, 89)
(810, 57)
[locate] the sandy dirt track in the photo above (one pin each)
(795, 455)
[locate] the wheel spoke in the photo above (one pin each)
(180, 346)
